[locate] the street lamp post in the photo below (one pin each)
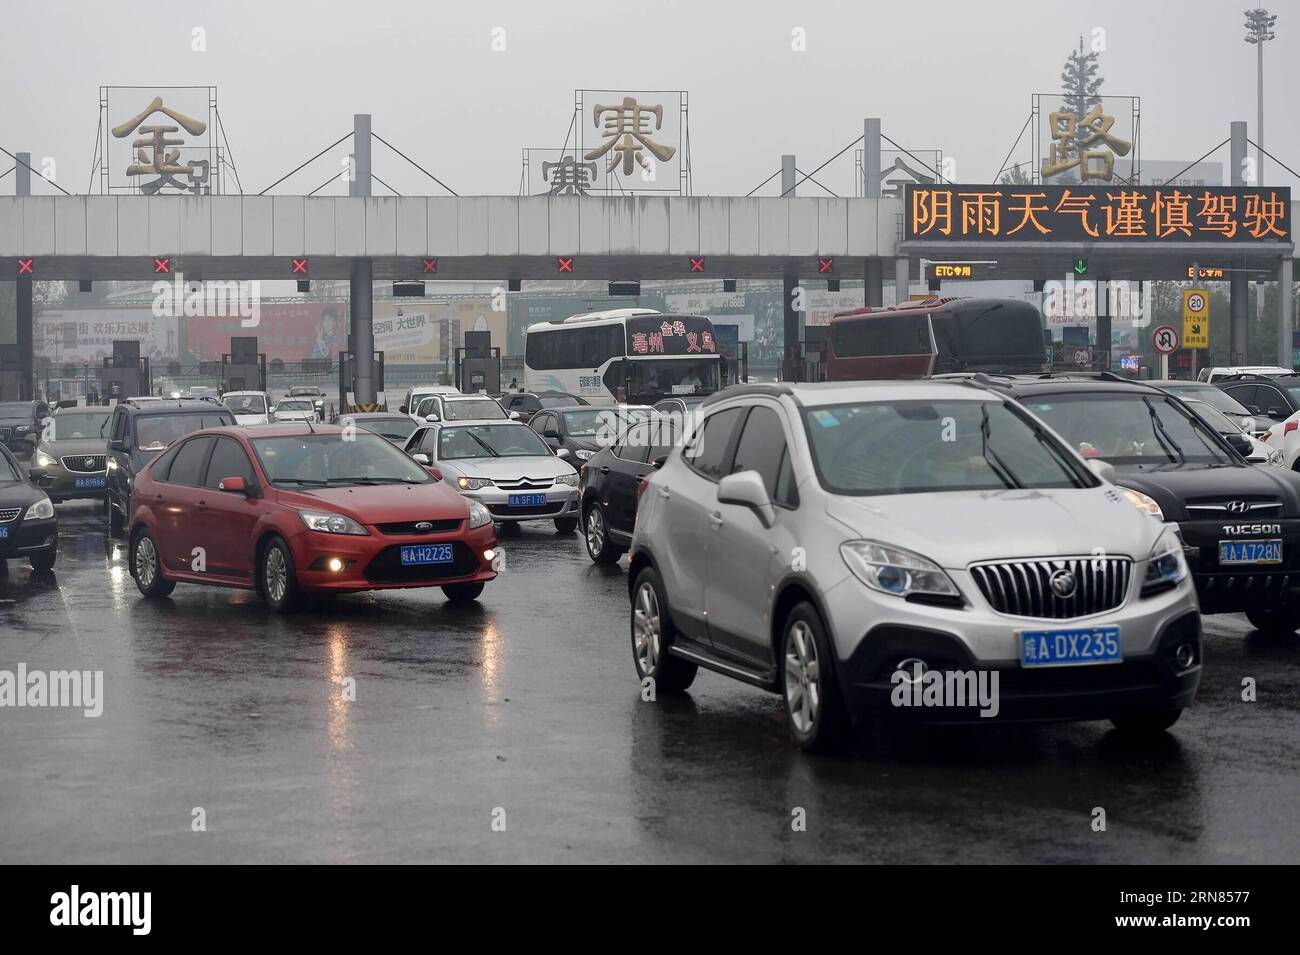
(1259, 27)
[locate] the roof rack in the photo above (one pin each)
(740, 391)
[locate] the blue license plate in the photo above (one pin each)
(90, 482)
(527, 500)
(4, 532)
(1250, 552)
(427, 554)
(1051, 648)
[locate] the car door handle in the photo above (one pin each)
(716, 520)
(603, 470)
(663, 492)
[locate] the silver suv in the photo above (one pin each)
(872, 550)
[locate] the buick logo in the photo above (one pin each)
(90, 463)
(1063, 583)
(424, 526)
(1238, 507)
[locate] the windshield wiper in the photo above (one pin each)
(1162, 435)
(310, 482)
(996, 463)
(483, 444)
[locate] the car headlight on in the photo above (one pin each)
(22, 429)
(39, 511)
(583, 455)
(570, 479)
(892, 570)
(1143, 502)
(478, 515)
(1166, 566)
(43, 460)
(472, 483)
(331, 523)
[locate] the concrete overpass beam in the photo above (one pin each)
(361, 330)
(902, 279)
(1285, 319)
(25, 318)
(874, 283)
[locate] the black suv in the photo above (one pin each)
(138, 433)
(527, 403)
(1274, 398)
(21, 423)
(1240, 524)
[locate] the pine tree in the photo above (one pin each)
(1080, 88)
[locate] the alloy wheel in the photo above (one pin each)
(802, 683)
(645, 621)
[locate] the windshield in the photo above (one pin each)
(911, 447)
(663, 377)
(155, 432)
(7, 473)
(305, 391)
(245, 404)
(602, 423)
(489, 441)
(296, 406)
(330, 459)
(1130, 429)
(15, 409)
(1211, 395)
(85, 424)
(1215, 418)
(559, 401)
(398, 426)
(477, 409)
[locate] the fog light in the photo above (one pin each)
(489, 555)
(335, 565)
(913, 669)
(1185, 655)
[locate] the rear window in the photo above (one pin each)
(881, 335)
(996, 332)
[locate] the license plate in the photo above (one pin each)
(426, 554)
(90, 482)
(527, 500)
(1054, 648)
(4, 532)
(1250, 552)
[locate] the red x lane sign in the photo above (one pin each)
(825, 265)
(430, 265)
(25, 267)
(697, 265)
(300, 266)
(564, 264)
(162, 265)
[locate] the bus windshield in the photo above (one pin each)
(651, 378)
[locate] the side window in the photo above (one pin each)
(540, 423)
(707, 452)
(1246, 394)
(163, 464)
(228, 460)
(1270, 398)
(761, 447)
(786, 491)
(187, 466)
(429, 443)
(635, 446)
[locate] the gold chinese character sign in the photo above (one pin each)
(628, 130)
(156, 153)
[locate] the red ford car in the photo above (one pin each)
(297, 510)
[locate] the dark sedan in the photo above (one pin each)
(70, 459)
(608, 486)
(575, 433)
(28, 526)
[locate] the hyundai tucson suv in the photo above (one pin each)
(1239, 523)
(848, 544)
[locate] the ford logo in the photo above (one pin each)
(1063, 583)
(424, 526)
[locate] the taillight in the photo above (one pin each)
(1265, 436)
(642, 487)
(1289, 427)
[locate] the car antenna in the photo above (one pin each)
(308, 420)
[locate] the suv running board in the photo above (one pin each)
(695, 653)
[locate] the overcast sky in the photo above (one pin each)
(947, 74)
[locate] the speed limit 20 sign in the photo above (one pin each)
(1165, 339)
(1196, 318)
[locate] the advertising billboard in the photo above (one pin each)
(289, 331)
(85, 335)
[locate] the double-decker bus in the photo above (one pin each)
(936, 336)
(634, 355)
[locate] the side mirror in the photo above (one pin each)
(432, 416)
(1276, 413)
(550, 434)
(746, 488)
(403, 410)
(659, 462)
(1103, 469)
(421, 458)
(434, 473)
(516, 416)
(117, 444)
(1240, 443)
(561, 452)
(233, 485)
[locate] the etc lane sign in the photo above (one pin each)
(1196, 318)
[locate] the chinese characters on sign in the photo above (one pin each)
(627, 130)
(1077, 144)
(1090, 213)
(156, 153)
(670, 336)
(568, 176)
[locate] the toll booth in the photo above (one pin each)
(244, 368)
(478, 365)
(347, 398)
(11, 374)
(125, 374)
(816, 347)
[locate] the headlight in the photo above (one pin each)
(1142, 502)
(892, 570)
(478, 515)
(43, 460)
(1166, 566)
(23, 429)
(570, 479)
(472, 483)
(583, 455)
(40, 510)
(331, 523)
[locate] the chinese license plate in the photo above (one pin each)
(89, 482)
(426, 554)
(1048, 648)
(4, 532)
(1250, 552)
(527, 500)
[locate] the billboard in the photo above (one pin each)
(85, 335)
(289, 331)
(418, 332)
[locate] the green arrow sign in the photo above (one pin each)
(1080, 266)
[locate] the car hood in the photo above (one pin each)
(67, 446)
(510, 468)
(382, 504)
(19, 494)
(6, 421)
(958, 528)
(1173, 485)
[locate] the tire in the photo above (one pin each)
(44, 563)
(278, 577)
(566, 525)
(596, 536)
(462, 593)
(814, 706)
(1279, 622)
(652, 634)
(146, 566)
(1146, 723)
(116, 522)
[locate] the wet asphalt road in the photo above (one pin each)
(529, 704)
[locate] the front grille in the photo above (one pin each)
(1024, 588)
(505, 510)
(6, 433)
(1209, 508)
(408, 527)
(8, 514)
(387, 566)
(83, 463)
(525, 484)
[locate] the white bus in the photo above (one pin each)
(634, 355)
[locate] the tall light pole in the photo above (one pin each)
(1259, 27)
